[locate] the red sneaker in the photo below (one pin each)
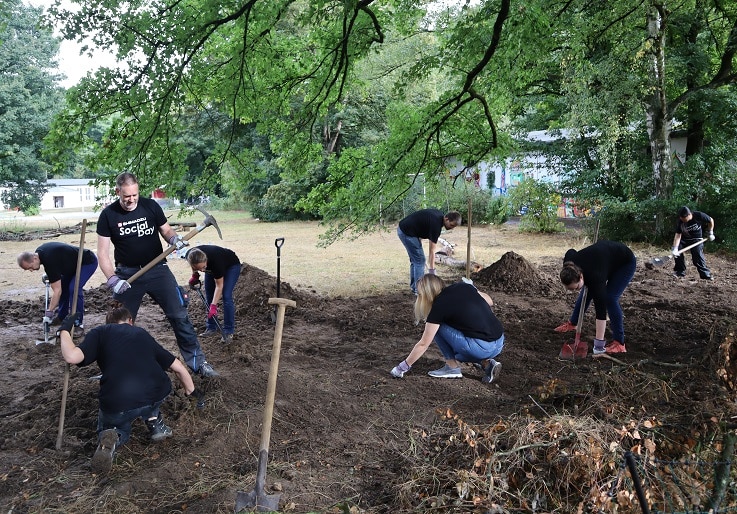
(565, 327)
(615, 347)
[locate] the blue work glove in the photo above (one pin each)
(117, 284)
(70, 321)
(711, 236)
(674, 251)
(178, 242)
(400, 369)
(48, 316)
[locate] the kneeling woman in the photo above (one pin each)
(460, 320)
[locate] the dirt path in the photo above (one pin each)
(345, 434)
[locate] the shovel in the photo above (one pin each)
(257, 498)
(278, 242)
(47, 328)
(198, 287)
(577, 349)
(660, 261)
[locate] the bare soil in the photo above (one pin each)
(347, 437)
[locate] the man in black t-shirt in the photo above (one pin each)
(423, 224)
(60, 265)
(133, 383)
(133, 225)
(691, 227)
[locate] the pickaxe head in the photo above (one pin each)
(209, 221)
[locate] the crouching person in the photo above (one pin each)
(133, 384)
(460, 321)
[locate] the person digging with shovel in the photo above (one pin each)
(222, 269)
(606, 269)
(689, 230)
(133, 383)
(60, 266)
(133, 225)
(460, 321)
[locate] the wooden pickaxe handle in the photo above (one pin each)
(209, 221)
(697, 243)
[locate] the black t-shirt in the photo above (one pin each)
(60, 259)
(598, 262)
(462, 307)
(219, 259)
(133, 366)
(134, 234)
(425, 224)
(693, 230)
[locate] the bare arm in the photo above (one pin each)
(167, 232)
(103, 256)
(183, 375)
(218, 293)
(487, 298)
(69, 351)
(55, 295)
(676, 240)
(423, 344)
(431, 248)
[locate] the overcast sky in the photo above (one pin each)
(71, 64)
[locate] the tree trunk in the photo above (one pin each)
(658, 118)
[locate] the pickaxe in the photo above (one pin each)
(207, 222)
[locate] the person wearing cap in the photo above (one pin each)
(690, 229)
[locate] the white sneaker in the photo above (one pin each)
(446, 372)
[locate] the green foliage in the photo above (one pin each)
(28, 101)
(538, 202)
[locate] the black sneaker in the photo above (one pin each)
(207, 371)
(102, 460)
(157, 429)
(78, 331)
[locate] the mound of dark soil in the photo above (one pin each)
(513, 273)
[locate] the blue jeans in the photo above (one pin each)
(416, 258)
(67, 290)
(454, 345)
(615, 286)
(121, 421)
(161, 286)
(230, 279)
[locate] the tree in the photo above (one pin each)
(28, 101)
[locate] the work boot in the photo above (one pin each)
(102, 460)
(227, 338)
(446, 372)
(157, 429)
(209, 332)
(207, 371)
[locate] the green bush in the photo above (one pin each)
(538, 202)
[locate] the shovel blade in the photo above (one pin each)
(660, 261)
(259, 501)
(573, 351)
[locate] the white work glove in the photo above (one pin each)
(178, 242)
(674, 251)
(711, 236)
(118, 285)
(400, 369)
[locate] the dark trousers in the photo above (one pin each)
(67, 291)
(615, 286)
(230, 279)
(697, 257)
(161, 286)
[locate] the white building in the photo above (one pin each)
(69, 193)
